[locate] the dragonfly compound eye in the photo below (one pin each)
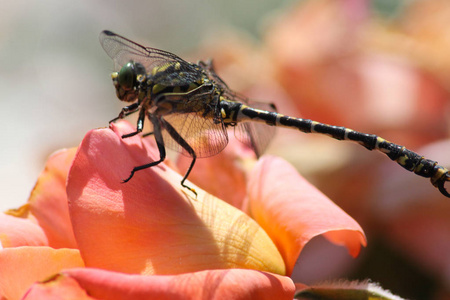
(127, 77)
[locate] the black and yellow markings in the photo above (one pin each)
(233, 112)
(165, 69)
(245, 113)
(178, 84)
(162, 88)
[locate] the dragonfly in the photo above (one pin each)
(191, 110)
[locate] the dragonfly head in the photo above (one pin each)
(128, 80)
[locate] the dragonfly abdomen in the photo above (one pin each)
(244, 113)
(406, 158)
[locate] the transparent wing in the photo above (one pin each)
(123, 50)
(208, 67)
(255, 135)
(195, 120)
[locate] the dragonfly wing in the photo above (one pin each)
(196, 122)
(255, 135)
(123, 50)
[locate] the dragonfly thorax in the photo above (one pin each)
(171, 77)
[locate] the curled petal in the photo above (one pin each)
(212, 284)
(16, 232)
(151, 225)
(22, 266)
(292, 211)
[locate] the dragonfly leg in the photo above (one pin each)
(126, 111)
(161, 148)
(174, 134)
(148, 134)
(139, 126)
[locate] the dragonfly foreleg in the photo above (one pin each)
(159, 142)
(139, 126)
(126, 111)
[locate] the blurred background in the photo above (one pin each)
(376, 66)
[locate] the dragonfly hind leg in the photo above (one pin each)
(148, 134)
(174, 134)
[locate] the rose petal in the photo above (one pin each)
(15, 232)
(47, 205)
(22, 266)
(59, 287)
(151, 224)
(292, 211)
(48, 201)
(213, 284)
